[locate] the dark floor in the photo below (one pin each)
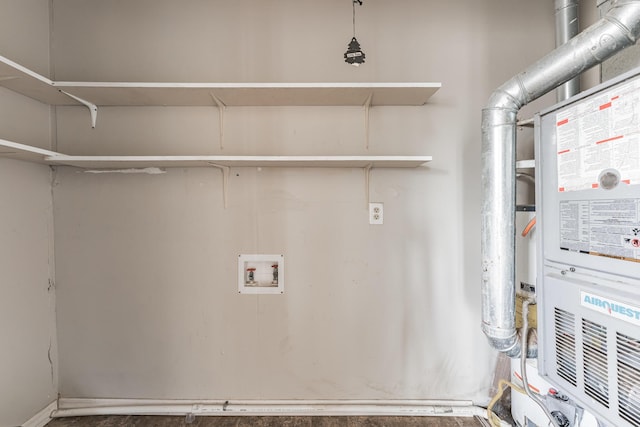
(228, 421)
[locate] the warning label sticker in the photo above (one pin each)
(600, 134)
(608, 228)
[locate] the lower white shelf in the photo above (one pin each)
(19, 151)
(121, 162)
(14, 150)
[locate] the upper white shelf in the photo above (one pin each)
(15, 77)
(29, 83)
(251, 94)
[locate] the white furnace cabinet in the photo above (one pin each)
(588, 198)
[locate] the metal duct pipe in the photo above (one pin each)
(567, 27)
(618, 29)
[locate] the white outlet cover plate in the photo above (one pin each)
(263, 275)
(376, 213)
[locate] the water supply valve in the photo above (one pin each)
(250, 275)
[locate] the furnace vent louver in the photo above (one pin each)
(628, 367)
(582, 360)
(594, 347)
(565, 345)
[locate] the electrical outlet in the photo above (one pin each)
(376, 213)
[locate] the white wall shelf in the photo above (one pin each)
(526, 164)
(20, 79)
(250, 94)
(14, 150)
(525, 123)
(122, 162)
(15, 77)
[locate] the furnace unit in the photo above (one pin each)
(588, 281)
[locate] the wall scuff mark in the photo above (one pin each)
(148, 171)
(51, 362)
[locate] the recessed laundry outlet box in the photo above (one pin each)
(260, 274)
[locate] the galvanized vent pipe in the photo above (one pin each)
(615, 31)
(567, 27)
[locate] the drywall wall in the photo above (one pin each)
(28, 367)
(146, 264)
(27, 312)
(25, 33)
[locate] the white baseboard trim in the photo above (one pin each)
(69, 407)
(43, 417)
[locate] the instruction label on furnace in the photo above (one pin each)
(602, 132)
(608, 228)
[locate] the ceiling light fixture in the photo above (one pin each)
(354, 54)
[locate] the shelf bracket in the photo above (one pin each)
(225, 181)
(221, 109)
(93, 108)
(367, 180)
(367, 107)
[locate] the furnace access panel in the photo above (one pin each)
(588, 206)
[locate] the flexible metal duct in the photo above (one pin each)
(567, 27)
(617, 30)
